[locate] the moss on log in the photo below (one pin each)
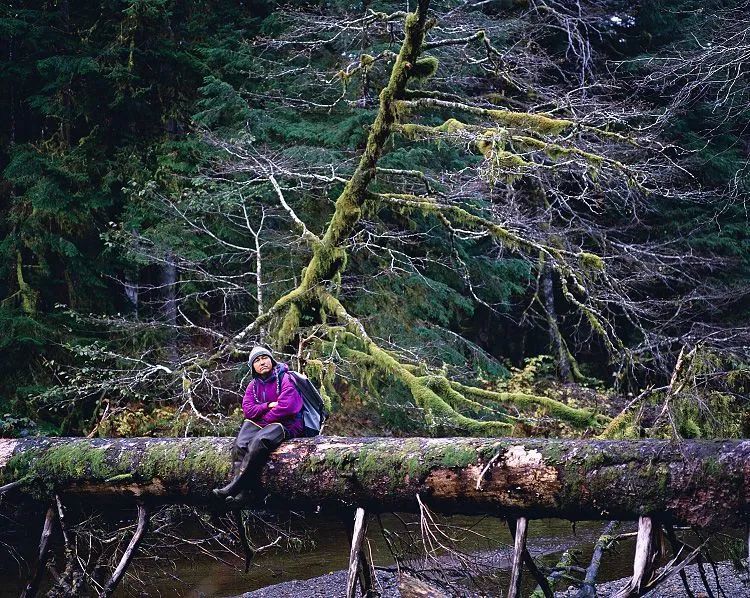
(695, 482)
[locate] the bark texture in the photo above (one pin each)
(695, 482)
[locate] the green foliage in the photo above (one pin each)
(12, 426)
(221, 106)
(291, 127)
(711, 401)
(107, 180)
(142, 420)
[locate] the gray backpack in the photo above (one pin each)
(314, 413)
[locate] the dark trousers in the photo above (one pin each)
(256, 444)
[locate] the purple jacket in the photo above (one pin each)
(288, 411)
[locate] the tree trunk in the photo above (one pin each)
(700, 483)
(169, 289)
(556, 339)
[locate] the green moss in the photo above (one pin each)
(411, 21)
(161, 461)
(76, 460)
(712, 467)
(413, 466)
(556, 151)
(371, 466)
(388, 470)
(418, 132)
(62, 464)
(554, 453)
(29, 296)
(455, 399)
(424, 68)
(19, 467)
(616, 427)
(169, 462)
(289, 325)
(438, 413)
(539, 123)
(688, 428)
(123, 477)
(456, 456)
(591, 261)
(575, 417)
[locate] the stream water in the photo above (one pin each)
(321, 546)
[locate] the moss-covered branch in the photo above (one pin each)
(297, 294)
(485, 401)
(588, 261)
(329, 256)
(439, 397)
(506, 149)
(439, 413)
(543, 124)
(463, 217)
(417, 174)
(561, 411)
(539, 123)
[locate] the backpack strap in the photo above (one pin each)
(255, 390)
(300, 413)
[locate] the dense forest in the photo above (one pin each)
(541, 228)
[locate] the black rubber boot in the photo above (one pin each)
(229, 488)
(242, 497)
(260, 443)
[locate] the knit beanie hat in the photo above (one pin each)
(257, 352)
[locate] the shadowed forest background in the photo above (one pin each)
(551, 237)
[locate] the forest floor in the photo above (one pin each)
(733, 584)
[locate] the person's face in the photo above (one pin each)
(262, 365)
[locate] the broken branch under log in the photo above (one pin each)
(519, 547)
(701, 483)
(127, 556)
(33, 586)
(588, 588)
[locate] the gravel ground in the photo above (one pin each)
(733, 583)
(332, 585)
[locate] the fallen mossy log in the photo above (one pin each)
(693, 482)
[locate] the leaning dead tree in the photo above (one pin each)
(703, 484)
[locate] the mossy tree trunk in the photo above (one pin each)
(699, 483)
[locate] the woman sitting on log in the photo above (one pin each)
(273, 413)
